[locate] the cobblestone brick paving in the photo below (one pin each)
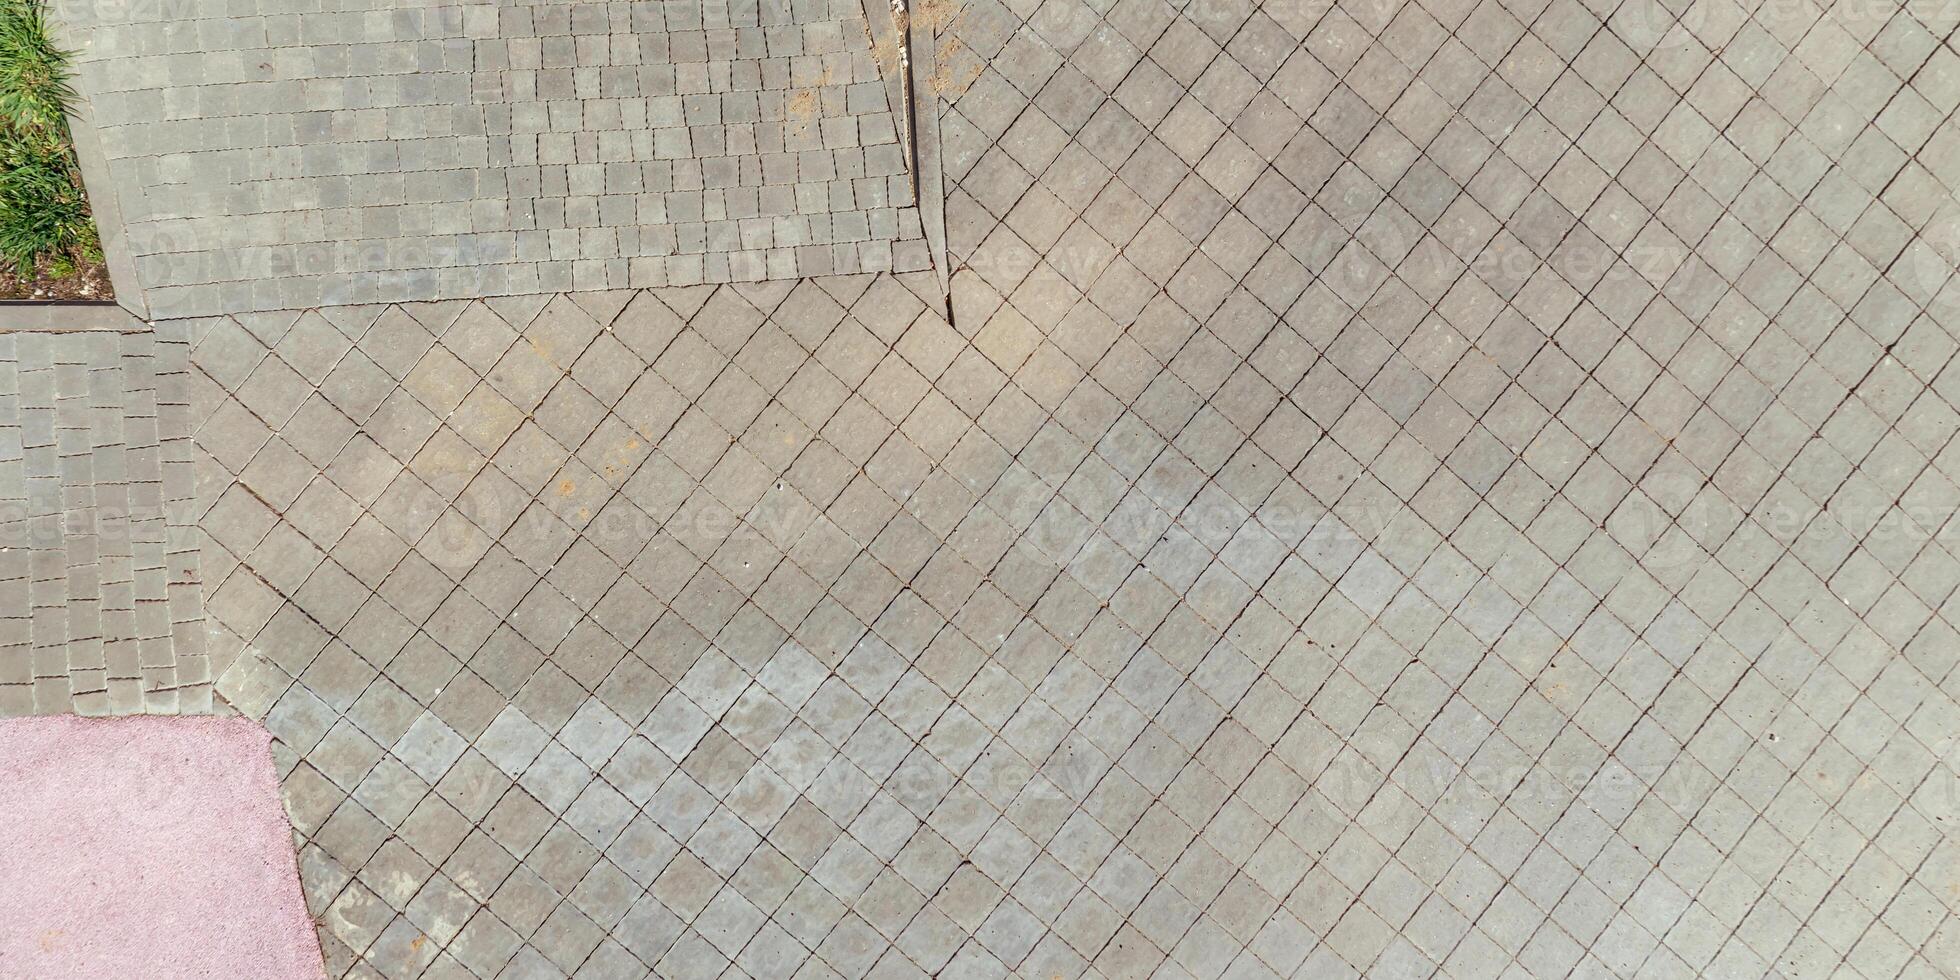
(284, 155)
(1458, 489)
(98, 556)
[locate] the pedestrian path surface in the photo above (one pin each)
(1453, 488)
(147, 847)
(99, 601)
(292, 155)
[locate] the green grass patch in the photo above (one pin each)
(44, 216)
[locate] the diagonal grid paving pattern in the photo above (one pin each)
(1458, 489)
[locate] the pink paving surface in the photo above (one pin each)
(146, 847)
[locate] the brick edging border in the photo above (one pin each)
(67, 318)
(915, 87)
(104, 205)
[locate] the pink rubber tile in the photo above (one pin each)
(146, 847)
